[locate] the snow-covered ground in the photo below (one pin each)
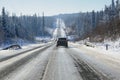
(5, 53)
(43, 39)
(104, 61)
(113, 46)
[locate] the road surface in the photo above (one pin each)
(58, 63)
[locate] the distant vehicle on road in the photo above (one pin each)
(62, 42)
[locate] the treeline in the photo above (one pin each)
(109, 26)
(105, 30)
(80, 25)
(95, 26)
(13, 28)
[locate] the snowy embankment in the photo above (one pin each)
(113, 46)
(6, 53)
(103, 61)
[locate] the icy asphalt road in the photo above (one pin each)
(52, 63)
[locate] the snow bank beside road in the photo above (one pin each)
(113, 46)
(6, 53)
(105, 62)
(100, 48)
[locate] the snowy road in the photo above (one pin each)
(52, 63)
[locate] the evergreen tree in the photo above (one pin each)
(4, 25)
(93, 19)
(43, 25)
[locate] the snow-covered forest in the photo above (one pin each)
(95, 25)
(14, 28)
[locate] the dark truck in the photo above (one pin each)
(62, 42)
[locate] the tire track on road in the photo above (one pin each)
(86, 71)
(50, 61)
(61, 67)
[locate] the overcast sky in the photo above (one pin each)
(52, 7)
